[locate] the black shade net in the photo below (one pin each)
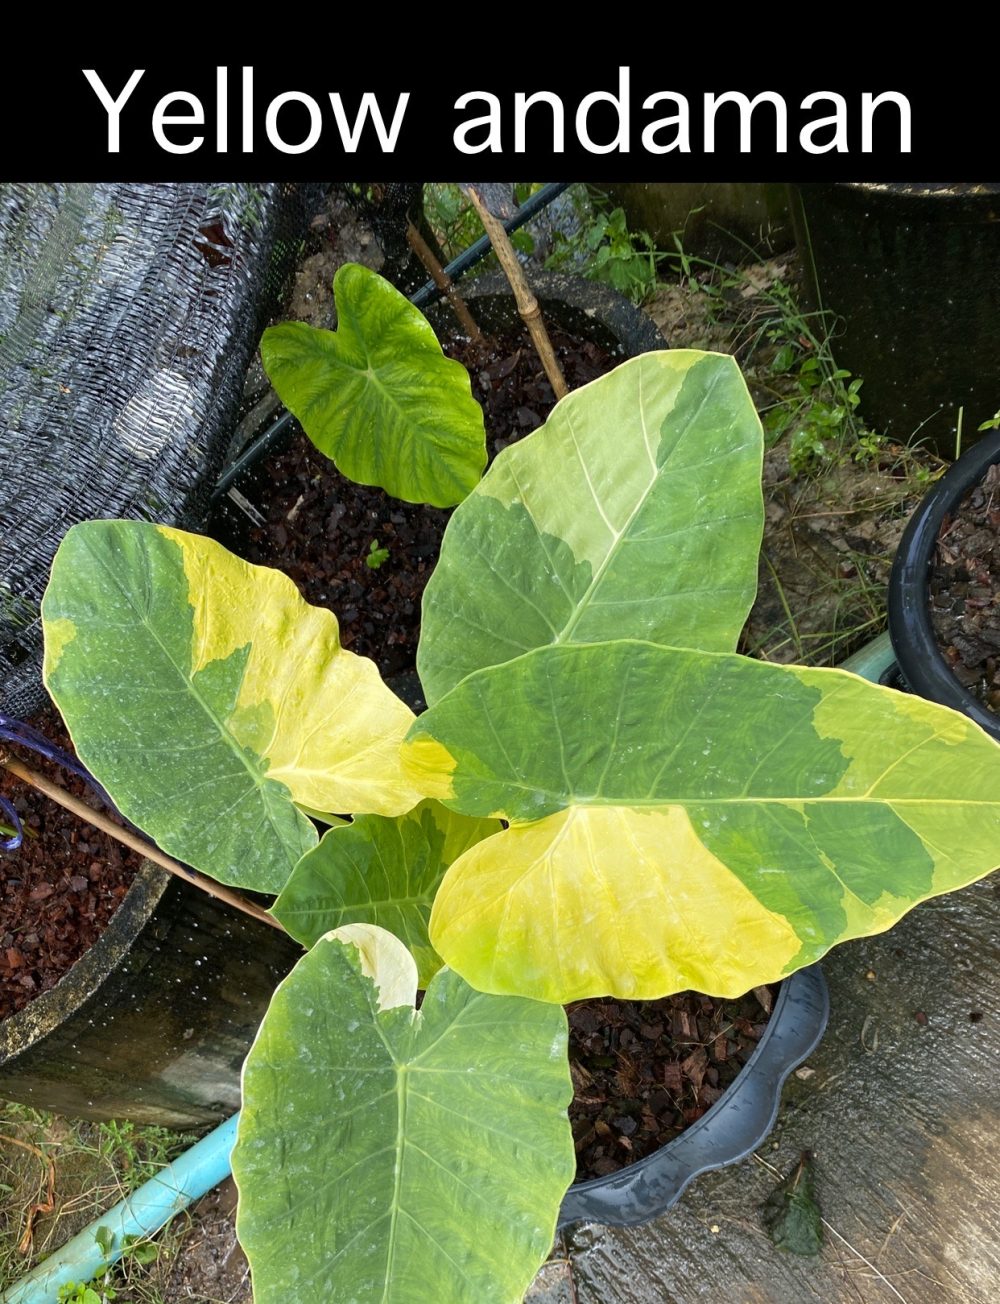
(128, 315)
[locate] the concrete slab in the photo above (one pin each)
(901, 1111)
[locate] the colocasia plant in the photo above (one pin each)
(378, 396)
(603, 798)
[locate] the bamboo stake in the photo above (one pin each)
(443, 281)
(527, 304)
(129, 839)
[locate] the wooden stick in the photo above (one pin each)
(527, 304)
(129, 839)
(443, 281)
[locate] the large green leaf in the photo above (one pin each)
(683, 819)
(378, 396)
(208, 698)
(379, 871)
(635, 512)
(395, 1156)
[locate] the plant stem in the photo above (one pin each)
(443, 282)
(129, 839)
(527, 304)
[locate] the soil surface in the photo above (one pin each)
(965, 590)
(337, 235)
(321, 527)
(645, 1070)
(60, 888)
(209, 1266)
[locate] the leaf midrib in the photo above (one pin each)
(568, 802)
(371, 378)
(658, 472)
(188, 681)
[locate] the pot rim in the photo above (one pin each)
(927, 203)
(611, 312)
(918, 653)
(651, 1185)
(43, 1015)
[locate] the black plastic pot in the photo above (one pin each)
(914, 272)
(734, 1126)
(580, 307)
(153, 1023)
(921, 660)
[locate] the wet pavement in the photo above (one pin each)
(902, 1112)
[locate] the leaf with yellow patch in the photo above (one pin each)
(399, 1155)
(634, 512)
(695, 820)
(210, 699)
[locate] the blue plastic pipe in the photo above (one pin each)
(874, 661)
(190, 1176)
(206, 1164)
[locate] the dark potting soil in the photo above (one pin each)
(320, 526)
(60, 888)
(645, 1070)
(964, 589)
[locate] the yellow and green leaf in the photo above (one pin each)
(378, 396)
(379, 871)
(635, 512)
(212, 701)
(377, 1142)
(684, 819)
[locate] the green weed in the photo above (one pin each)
(87, 1168)
(604, 249)
(788, 353)
(98, 1292)
(376, 556)
(837, 490)
(598, 245)
(456, 225)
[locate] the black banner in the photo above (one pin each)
(614, 119)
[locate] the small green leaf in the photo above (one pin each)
(140, 1250)
(378, 396)
(379, 871)
(376, 555)
(105, 1239)
(783, 359)
(791, 1215)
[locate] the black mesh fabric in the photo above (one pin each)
(128, 315)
